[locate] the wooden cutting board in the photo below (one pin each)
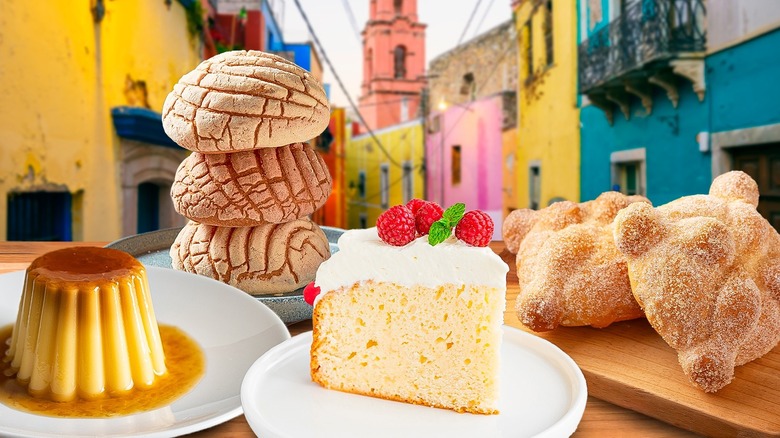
(628, 364)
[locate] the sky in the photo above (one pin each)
(446, 20)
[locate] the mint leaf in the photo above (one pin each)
(439, 232)
(454, 214)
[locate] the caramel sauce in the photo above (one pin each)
(183, 357)
(84, 263)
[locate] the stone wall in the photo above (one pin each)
(482, 66)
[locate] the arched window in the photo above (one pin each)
(399, 56)
(398, 6)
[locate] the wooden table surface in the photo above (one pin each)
(601, 419)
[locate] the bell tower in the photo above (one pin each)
(393, 63)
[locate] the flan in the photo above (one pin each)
(417, 323)
(86, 327)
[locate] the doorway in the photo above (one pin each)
(762, 163)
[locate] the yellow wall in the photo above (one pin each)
(405, 143)
(60, 74)
(548, 129)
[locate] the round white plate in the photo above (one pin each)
(232, 328)
(543, 394)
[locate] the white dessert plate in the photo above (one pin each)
(232, 328)
(543, 394)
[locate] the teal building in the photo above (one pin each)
(674, 93)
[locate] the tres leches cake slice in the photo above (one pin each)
(413, 319)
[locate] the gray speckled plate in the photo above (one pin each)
(152, 249)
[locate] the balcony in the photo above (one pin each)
(653, 42)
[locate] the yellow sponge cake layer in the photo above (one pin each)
(86, 327)
(437, 347)
(417, 323)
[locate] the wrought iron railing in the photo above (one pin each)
(647, 31)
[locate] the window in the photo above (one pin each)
(399, 57)
(404, 109)
(362, 184)
(629, 176)
(468, 86)
(628, 171)
(408, 182)
(535, 185)
(40, 216)
(148, 211)
(384, 184)
(398, 6)
(527, 46)
(548, 33)
(456, 165)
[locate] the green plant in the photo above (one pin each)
(194, 13)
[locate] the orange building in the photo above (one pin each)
(331, 146)
(393, 63)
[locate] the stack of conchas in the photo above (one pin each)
(251, 181)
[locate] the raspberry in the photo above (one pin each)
(396, 226)
(310, 292)
(476, 228)
(427, 214)
(415, 205)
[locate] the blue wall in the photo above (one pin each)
(273, 35)
(743, 91)
(302, 53)
(674, 165)
(743, 83)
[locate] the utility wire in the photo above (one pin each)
(352, 21)
(468, 23)
(341, 84)
(482, 20)
(466, 106)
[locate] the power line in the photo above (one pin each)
(341, 84)
(491, 71)
(482, 20)
(468, 23)
(351, 18)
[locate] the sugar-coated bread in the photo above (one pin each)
(706, 270)
(244, 100)
(264, 259)
(270, 185)
(569, 270)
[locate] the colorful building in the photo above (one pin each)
(393, 64)
(645, 99)
(676, 94)
(383, 171)
(742, 71)
(331, 145)
(548, 155)
(241, 25)
(83, 151)
(231, 26)
(471, 133)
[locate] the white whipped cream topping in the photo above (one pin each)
(363, 256)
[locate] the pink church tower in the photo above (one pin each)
(393, 63)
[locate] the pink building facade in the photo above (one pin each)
(465, 141)
(393, 63)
